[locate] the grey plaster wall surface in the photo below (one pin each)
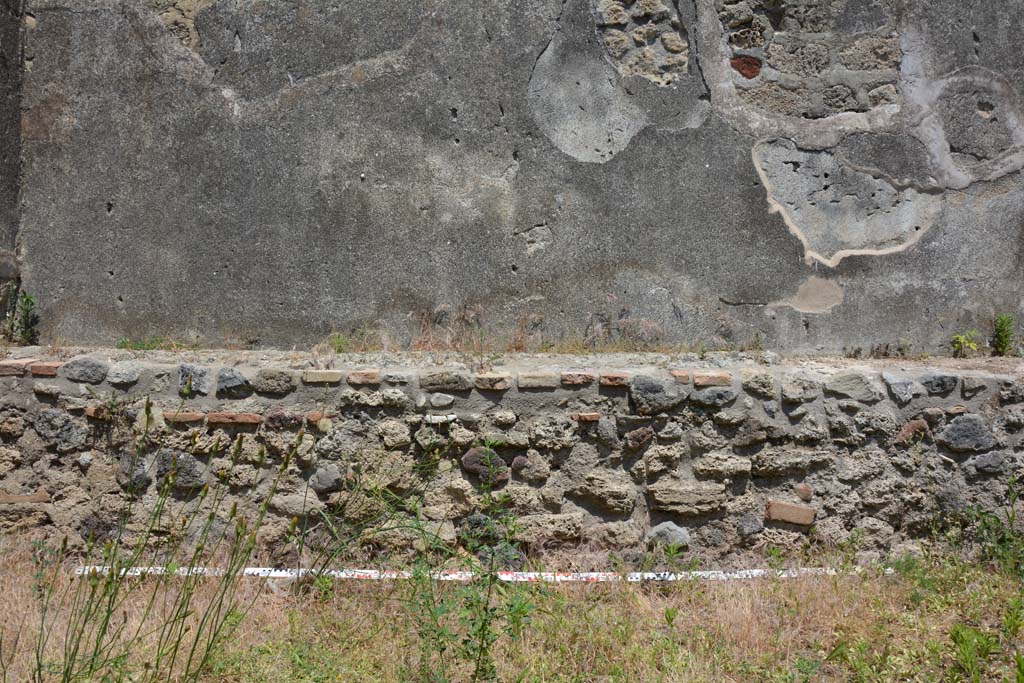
(818, 175)
(10, 136)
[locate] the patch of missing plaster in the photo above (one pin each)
(971, 122)
(179, 16)
(836, 211)
(815, 295)
(644, 38)
(898, 157)
(575, 95)
(821, 58)
(786, 67)
(262, 47)
(536, 238)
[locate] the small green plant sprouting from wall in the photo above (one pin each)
(964, 343)
(1003, 334)
(340, 343)
(359, 340)
(23, 325)
(150, 344)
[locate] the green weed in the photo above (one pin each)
(972, 649)
(999, 535)
(1003, 334)
(964, 343)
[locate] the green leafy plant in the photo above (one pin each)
(358, 340)
(964, 343)
(1013, 620)
(340, 343)
(23, 325)
(775, 557)
(1003, 334)
(866, 661)
(998, 533)
(149, 344)
(674, 554)
(972, 649)
(459, 629)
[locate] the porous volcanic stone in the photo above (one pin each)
(232, 384)
(939, 384)
(486, 465)
(854, 385)
(668, 533)
(85, 369)
(188, 472)
(124, 373)
(652, 396)
(446, 380)
(967, 433)
(274, 382)
(194, 379)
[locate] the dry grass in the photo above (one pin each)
(868, 627)
(24, 582)
(464, 331)
(750, 631)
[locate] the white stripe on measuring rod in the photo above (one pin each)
(513, 577)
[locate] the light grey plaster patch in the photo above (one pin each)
(836, 211)
(929, 102)
(576, 99)
(815, 295)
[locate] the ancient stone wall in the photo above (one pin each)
(612, 453)
(815, 175)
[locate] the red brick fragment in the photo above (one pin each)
(316, 416)
(46, 368)
(15, 367)
(364, 377)
(577, 379)
(915, 430)
(614, 379)
(98, 412)
(681, 376)
(712, 378)
(805, 491)
(233, 419)
(746, 66)
(183, 417)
